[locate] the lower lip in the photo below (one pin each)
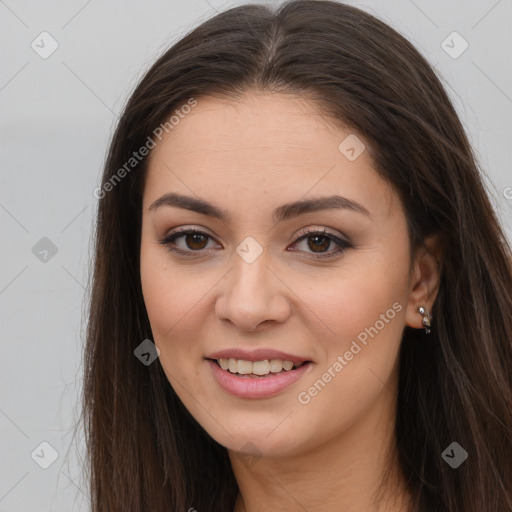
(256, 387)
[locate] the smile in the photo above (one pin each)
(258, 379)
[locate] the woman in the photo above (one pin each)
(301, 296)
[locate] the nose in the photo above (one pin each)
(251, 295)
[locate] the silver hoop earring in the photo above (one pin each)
(427, 317)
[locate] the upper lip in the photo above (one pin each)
(259, 354)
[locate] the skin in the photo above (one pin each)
(249, 156)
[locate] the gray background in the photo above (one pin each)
(57, 116)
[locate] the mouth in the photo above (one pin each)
(257, 379)
(257, 369)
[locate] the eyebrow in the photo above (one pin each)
(281, 213)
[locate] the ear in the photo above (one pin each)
(425, 278)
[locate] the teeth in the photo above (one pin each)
(256, 368)
(275, 365)
(287, 365)
(244, 367)
(224, 363)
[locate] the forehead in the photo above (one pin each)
(261, 144)
(275, 122)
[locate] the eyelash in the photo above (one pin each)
(343, 245)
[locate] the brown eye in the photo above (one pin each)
(319, 241)
(194, 241)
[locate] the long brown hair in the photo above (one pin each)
(145, 451)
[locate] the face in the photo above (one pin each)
(326, 284)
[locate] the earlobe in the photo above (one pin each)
(425, 281)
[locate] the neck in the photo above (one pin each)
(355, 471)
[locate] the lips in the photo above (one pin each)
(260, 354)
(252, 387)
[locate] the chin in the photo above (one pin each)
(248, 437)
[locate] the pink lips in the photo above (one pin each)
(256, 387)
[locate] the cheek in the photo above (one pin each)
(166, 311)
(168, 294)
(361, 313)
(175, 300)
(353, 299)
